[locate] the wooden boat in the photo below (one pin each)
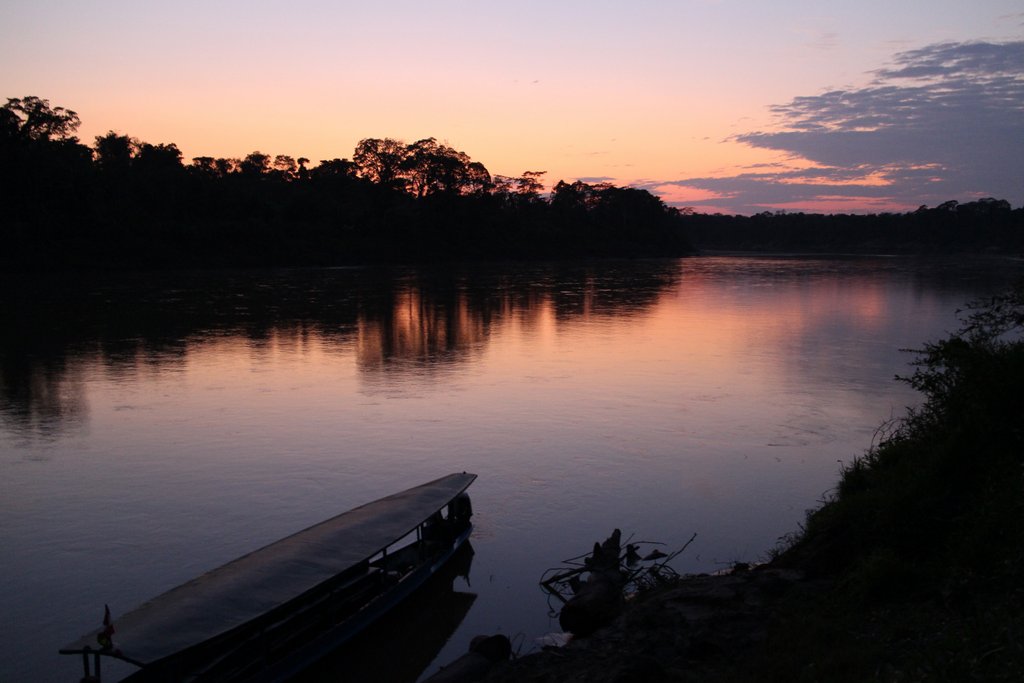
(269, 614)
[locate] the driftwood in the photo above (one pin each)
(592, 588)
(599, 599)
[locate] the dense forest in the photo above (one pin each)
(128, 203)
(984, 225)
(125, 203)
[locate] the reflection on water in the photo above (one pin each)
(395, 321)
(153, 426)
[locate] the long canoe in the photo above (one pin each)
(341, 562)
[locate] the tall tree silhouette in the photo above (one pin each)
(255, 165)
(381, 161)
(432, 168)
(33, 118)
(114, 152)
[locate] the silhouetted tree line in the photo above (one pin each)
(979, 226)
(128, 203)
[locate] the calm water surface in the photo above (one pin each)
(153, 427)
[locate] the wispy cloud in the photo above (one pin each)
(942, 122)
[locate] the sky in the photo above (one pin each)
(724, 106)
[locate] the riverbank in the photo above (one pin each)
(912, 571)
(700, 629)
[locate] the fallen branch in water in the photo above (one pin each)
(592, 589)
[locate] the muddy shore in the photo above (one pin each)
(705, 627)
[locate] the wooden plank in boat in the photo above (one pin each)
(252, 585)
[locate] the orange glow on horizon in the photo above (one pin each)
(873, 179)
(843, 204)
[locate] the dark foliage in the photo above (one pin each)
(125, 203)
(923, 535)
(979, 226)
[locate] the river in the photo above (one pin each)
(153, 426)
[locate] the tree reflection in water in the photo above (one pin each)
(424, 320)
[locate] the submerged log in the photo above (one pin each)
(599, 599)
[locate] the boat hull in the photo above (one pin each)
(336, 637)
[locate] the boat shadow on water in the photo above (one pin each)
(399, 647)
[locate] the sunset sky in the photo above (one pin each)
(733, 106)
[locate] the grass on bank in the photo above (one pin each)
(923, 538)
